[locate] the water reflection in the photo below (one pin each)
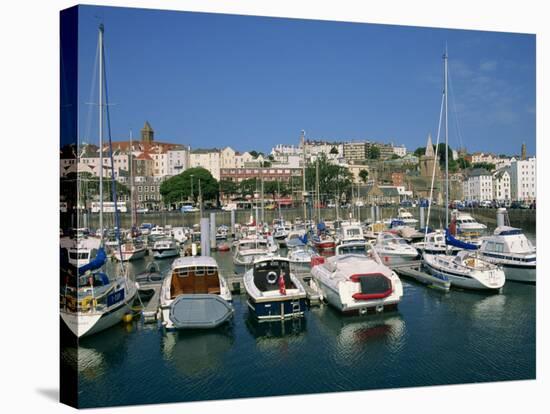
(275, 329)
(196, 352)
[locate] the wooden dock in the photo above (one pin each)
(313, 297)
(150, 309)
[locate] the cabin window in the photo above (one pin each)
(499, 247)
(490, 246)
(211, 270)
(182, 272)
(200, 271)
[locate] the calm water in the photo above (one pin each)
(434, 338)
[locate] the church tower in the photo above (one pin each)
(428, 160)
(147, 133)
(523, 152)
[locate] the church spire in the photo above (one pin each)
(147, 133)
(429, 147)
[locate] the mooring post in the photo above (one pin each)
(422, 219)
(212, 231)
(205, 237)
(232, 223)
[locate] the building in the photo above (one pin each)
(355, 170)
(380, 195)
(147, 192)
(209, 159)
(178, 160)
(429, 160)
(268, 174)
(501, 185)
(355, 151)
(523, 179)
(400, 150)
(478, 185)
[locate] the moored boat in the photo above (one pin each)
(165, 248)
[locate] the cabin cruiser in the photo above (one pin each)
(179, 234)
(300, 257)
(246, 251)
(81, 247)
(157, 231)
(372, 230)
(394, 250)
(222, 232)
(272, 289)
(145, 228)
(465, 270)
(434, 243)
(349, 232)
(194, 295)
(295, 238)
(164, 248)
(281, 230)
(131, 250)
(406, 217)
(357, 283)
(509, 248)
(466, 224)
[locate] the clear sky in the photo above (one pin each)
(213, 80)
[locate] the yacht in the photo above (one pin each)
(357, 283)
(295, 238)
(406, 217)
(394, 250)
(466, 224)
(434, 243)
(508, 247)
(195, 295)
(300, 257)
(272, 289)
(349, 232)
(131, 250)
(246, 251)
(466, 270)
(164, 248)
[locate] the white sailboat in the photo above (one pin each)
(467, 269)
(91, 301)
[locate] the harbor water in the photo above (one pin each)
(434, 338)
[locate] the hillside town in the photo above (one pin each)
(379, 173)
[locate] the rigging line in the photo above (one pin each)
(87, 131)
(434, 167)
(113, 181)
(453, 103)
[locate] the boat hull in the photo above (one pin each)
(165, 253)
(525, 274)
(131, 255)
(391, 259)
(463, 281)
(290, 307)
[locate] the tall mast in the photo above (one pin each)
(100, 45)
(445, 57)
(304, 192)
(131, 170)
(317, 189)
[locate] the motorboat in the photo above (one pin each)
(248, 250)
(357, 283)
(372, 230)
(406, 217)
(349, 232)
(164, 248)
(466, 224)
(222, 232)
(179, 234)
(81, 247)
(394, 250)
(151, 276)
(300, 257)
(195, 295)
(131, 250)
(145, 228)
(434, 243)
(466, 270)
(295, 238)
(281, 230)
(272, 289)
(509, 248)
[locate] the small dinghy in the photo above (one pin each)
(151, 276)
(199, 311)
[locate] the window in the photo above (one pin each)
(182, 272)
(140, 188)
(199, 271)
(211, 270)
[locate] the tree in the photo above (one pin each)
(374, 152)
(276, 188)
(334, 151)
(228, 187)
(463, 163)
(485, 165)
(249, 186)
(178, 187)
(364, 175)
(333, 179)
(420, 151)
(395, 157)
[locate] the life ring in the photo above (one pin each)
(271, 277)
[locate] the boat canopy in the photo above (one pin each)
(98, 261)
(452, 241)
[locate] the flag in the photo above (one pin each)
(282, 287)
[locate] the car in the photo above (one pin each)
(189, 209)
(331, 205)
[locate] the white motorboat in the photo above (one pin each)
(272, 289)
(357, 283)
(349, 232)
(131, 250)
(434, 243)
(465, 270)
(509, 248)
(164, 248)
(466, 224)
(195, 295)
(179, 234)
(394, 250)
(222, 232)
(406, 217)
(295, 238)
(372, 230)
(248, 250)
(300, 257)
(81, 248)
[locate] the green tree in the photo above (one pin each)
(485, 165)
(364, 175)
(249, 186)
(228, 187)
(395, 157)
(374, 152)
(463, 163)
(178, 187)
(333, 179)
(276, 188)
(420, 151)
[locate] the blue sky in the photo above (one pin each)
(212, 80)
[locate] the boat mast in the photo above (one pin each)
(317, 190)
(131, 170)
(445, 57)
(304, 192)
(100, 45)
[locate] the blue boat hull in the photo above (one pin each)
(278, 309)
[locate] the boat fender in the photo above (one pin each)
(271, 277)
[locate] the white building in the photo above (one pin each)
(178, 161)
(208, 159)
(501, 185)
(400, 150)
(523, 179)
(478, 185)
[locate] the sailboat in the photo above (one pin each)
(91, 301)
(467, 269)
